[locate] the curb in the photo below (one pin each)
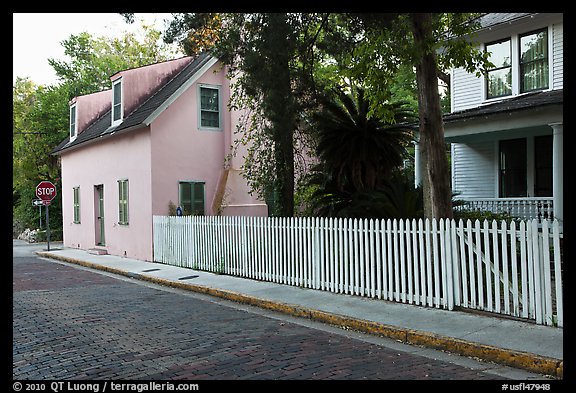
(518, 359)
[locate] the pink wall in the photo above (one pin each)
(154, 159)
(119, 157)
(90, 107)
(181, 151)
(139, 83)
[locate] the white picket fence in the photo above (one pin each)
(507, 269)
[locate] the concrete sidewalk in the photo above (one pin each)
(505, 341)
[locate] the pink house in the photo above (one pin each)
(160, 135)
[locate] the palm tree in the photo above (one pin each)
(360, 151)
(358, 157)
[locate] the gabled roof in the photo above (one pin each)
(147, 111)
(522, 102)
(494, 19)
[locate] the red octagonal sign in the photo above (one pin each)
(46, 191)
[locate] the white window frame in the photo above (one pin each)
(515, 59)
(121, 108)
(199, 91)
(73, 126)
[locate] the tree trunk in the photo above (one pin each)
(436, 181)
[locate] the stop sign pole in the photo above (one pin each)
(46, 191)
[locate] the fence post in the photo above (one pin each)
(558, 274)
(447, 274)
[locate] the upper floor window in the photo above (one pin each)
(499, 78)
(117, 101)
(534, 61)
(73, 127)
(209, 107)
(521, 64)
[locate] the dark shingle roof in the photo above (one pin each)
(518, 103)
(496, 18)
(135, 120)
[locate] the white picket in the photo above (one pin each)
(487, 266)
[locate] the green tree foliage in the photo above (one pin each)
(430, 43)
(92, 60)
(284, 60)
(41, 113)
(359, 157)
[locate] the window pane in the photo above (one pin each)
(534, 46)
(209, 108)
(72, 121)
(209, 99)
(117, 101)
(534, 61)
(210, 119)
(500, 54)
(499, 82)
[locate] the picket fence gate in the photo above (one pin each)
(512, 269)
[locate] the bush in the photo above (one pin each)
(55, 235)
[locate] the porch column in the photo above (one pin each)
(417, 165)
(558, 171)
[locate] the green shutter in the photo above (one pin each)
(191, 195)
(123, 202)
(76, 204)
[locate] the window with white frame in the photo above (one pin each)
(534, 61)
(117, 101)
(76, 204)
(521, 64)
(209, 107)
(499, 78)
(73, 126)
(123, 202)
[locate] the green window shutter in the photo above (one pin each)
(198, 201)
(76, 204)
(123, 202)
(191, 195)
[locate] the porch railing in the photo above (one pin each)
(539, 208)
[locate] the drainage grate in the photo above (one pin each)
(187, 277)
(150, 270)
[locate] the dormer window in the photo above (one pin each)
(117, 102)
(73, 123)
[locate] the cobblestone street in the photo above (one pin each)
(71, 323)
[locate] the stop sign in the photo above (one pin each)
(46, 191)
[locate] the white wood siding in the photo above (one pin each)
(467, 90)
(473, 169)
(558, 56)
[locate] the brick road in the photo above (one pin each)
(70, 323)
